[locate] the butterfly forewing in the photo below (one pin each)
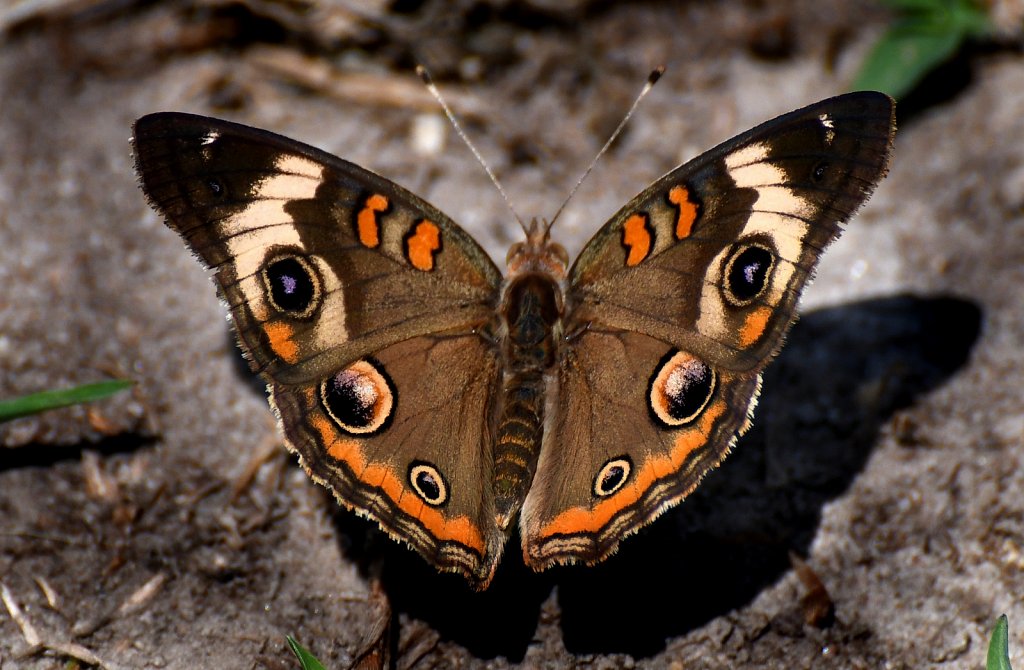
(713, 255)
(321, 261)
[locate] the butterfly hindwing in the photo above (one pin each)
(640, 422)
(404, 437)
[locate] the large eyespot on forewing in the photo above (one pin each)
(680, 389)
(292, 284)
(360, 399)
(747, 272)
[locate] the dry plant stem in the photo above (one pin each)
(52, 597)
(383, 90)
(268, 448)
(38, 643)
(134, 602)
(28, 631)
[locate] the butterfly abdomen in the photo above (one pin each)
(518, 442)
(532, 313)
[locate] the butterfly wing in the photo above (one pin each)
(360, 304)
(404, 437)
(675, 307)
(685, 259)
(321, 261)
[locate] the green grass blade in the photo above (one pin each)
(918, 6)
(46, 400)
(306, 659)
(999, 646)
(903, 57)
(926, 34)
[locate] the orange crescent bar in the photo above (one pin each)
(460, 529)
(367, 225)
(688, 210)
(637, 238)
(583, 520)
(422, 244)
(279, 335)
(754, 325)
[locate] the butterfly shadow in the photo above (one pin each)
(844, 372)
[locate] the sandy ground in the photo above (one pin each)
(887, 445)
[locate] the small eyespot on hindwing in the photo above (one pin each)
(428, 483)
(612, 476)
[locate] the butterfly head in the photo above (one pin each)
(538, 253)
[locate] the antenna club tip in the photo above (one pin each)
(655, 74)
(424, 75)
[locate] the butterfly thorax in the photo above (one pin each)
(531, 302)
(531, 315)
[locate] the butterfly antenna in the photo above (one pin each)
(429, 83)
(652, 79)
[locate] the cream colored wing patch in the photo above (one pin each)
(756, 271)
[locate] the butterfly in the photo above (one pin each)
(445, 401)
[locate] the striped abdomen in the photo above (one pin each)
(531, 310)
